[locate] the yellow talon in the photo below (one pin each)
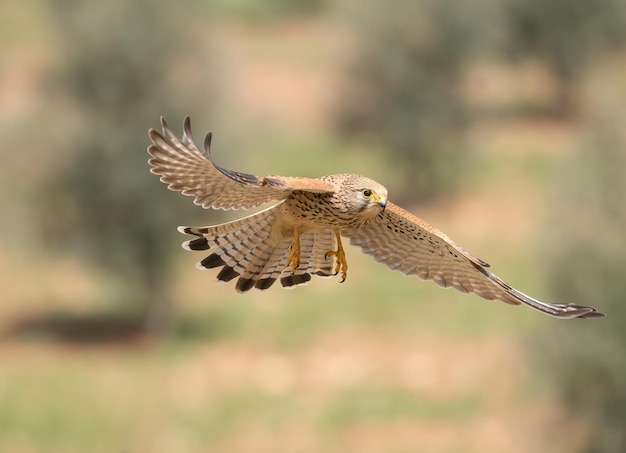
(342, 263)
(294, 254)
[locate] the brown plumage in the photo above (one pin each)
(300, 235)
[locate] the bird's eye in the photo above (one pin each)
(367, 193)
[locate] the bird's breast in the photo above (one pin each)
(311, 211)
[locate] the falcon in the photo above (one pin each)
(300, 234)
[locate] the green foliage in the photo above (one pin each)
(566, 32)
(586, 360)
(567, 35)
(403, 85)
(253, 9)
(118, 76)
(380, 405)
(232, 412)
(55, 419)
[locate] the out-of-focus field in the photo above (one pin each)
(381, 363)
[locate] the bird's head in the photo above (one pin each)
(365, 195)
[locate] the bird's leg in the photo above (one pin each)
(294, 254)
(342, 264)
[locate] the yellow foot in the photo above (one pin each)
(294, 254)
(342, 263)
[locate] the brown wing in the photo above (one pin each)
(185, 168)
(408, 244)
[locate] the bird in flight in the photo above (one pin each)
(300, 234)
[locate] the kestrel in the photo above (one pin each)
(300, 234)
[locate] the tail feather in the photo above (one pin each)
(245, 249)
(313, 249)
(320, 264)
(270, 260)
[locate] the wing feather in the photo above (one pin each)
(408, 244)
(185, 168)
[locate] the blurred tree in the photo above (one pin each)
(586, 361)
(566, 35)
(118, 75)
(269, 9)
(403, 85)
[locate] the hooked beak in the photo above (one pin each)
(381, 201)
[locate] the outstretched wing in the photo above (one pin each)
(185, 168)
(408, 244)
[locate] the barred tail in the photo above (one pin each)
(246, 249)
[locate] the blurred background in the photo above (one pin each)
(500, 122)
